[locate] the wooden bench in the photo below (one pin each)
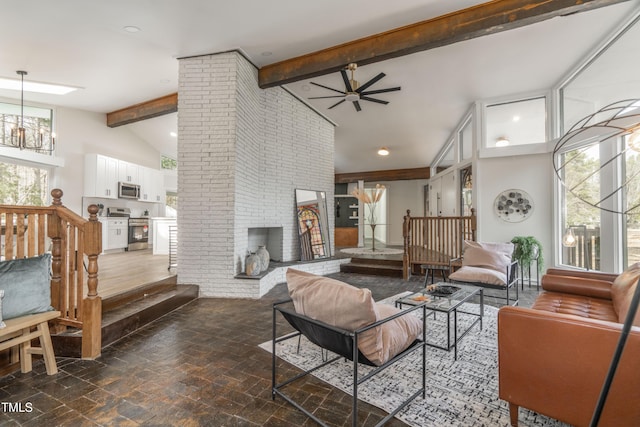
(18, 333)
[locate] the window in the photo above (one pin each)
(23, 185)
(37, 123)
(581, 221)
(631, 198)
(521, 122)
(168, 163)
(465, 137)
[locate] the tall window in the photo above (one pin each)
(581, 221)
(631, 197)
(23, 185)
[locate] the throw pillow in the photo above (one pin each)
(26, 284)
(622, 291)
(492, 255)
(472, 274)
(335, 303)
(397, 334)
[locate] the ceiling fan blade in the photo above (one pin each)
(347, 83)
(357, 105)
(337, 103)
(379, 101)
(323, 97)
(370, 82)
(327, 87)
(371, 92)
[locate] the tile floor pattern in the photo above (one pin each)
(198, 366)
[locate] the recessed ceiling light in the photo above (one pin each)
(516, 118)
(384, 151)
(502, 142)
(173, 134)
(131, 29)
(306, 88)
(36, 87)
(266, 53)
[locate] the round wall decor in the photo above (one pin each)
(513, 205)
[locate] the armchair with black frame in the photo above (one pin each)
(346, 321)
(488, 265)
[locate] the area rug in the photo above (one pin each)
(369, 251)
(459, 393)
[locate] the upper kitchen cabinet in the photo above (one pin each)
(151, 185)
(128, 172)
(100, 176)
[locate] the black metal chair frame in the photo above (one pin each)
(345, 344)
(512, 282)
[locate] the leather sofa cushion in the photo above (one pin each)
(577, 285)
(622, 291)
(582, 306)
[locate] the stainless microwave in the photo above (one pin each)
(128, 191)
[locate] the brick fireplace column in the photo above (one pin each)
(242, 151)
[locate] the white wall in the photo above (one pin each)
(82, 132)
(531, 173)
(401, 195)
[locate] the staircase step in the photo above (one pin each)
(377, 261)
(128, 317)
(372, 269)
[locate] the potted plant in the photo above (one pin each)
(527, 249)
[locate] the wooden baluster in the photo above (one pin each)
(32, 231)
(92, 304)
(8, 236)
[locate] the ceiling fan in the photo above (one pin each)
(354, 92)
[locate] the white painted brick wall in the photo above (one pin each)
(242, 152)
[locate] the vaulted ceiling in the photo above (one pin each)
(85, 44)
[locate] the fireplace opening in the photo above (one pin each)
(269, 237)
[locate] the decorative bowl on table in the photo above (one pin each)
(442, 290)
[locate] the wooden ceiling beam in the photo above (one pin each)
(484, 19)
(145, 110)
(383, 175)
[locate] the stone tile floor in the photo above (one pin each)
(197, 366)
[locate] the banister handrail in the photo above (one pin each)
(72, 238)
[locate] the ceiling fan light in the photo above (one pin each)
(352, 96)
(384, 151)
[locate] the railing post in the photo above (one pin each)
(474, 224)
(92, 304)
(54, 231)
(406, 237)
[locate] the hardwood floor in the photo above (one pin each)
(122, 271)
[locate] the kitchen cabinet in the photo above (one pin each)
(117, 234)
(151, 185)
(128, 172)
(100, 176)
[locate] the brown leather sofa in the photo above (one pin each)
(554, 357)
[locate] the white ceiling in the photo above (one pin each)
(83, 43)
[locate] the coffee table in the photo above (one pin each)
(448, 303)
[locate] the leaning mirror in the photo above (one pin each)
(313, 224)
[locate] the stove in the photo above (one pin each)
(138, 234)
(138, 228)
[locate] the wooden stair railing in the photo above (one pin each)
(70, 239)
(434, 240)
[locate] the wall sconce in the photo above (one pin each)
(502, 141)
(384, 151)
(569, 239)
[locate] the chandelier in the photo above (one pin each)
(35, 135)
